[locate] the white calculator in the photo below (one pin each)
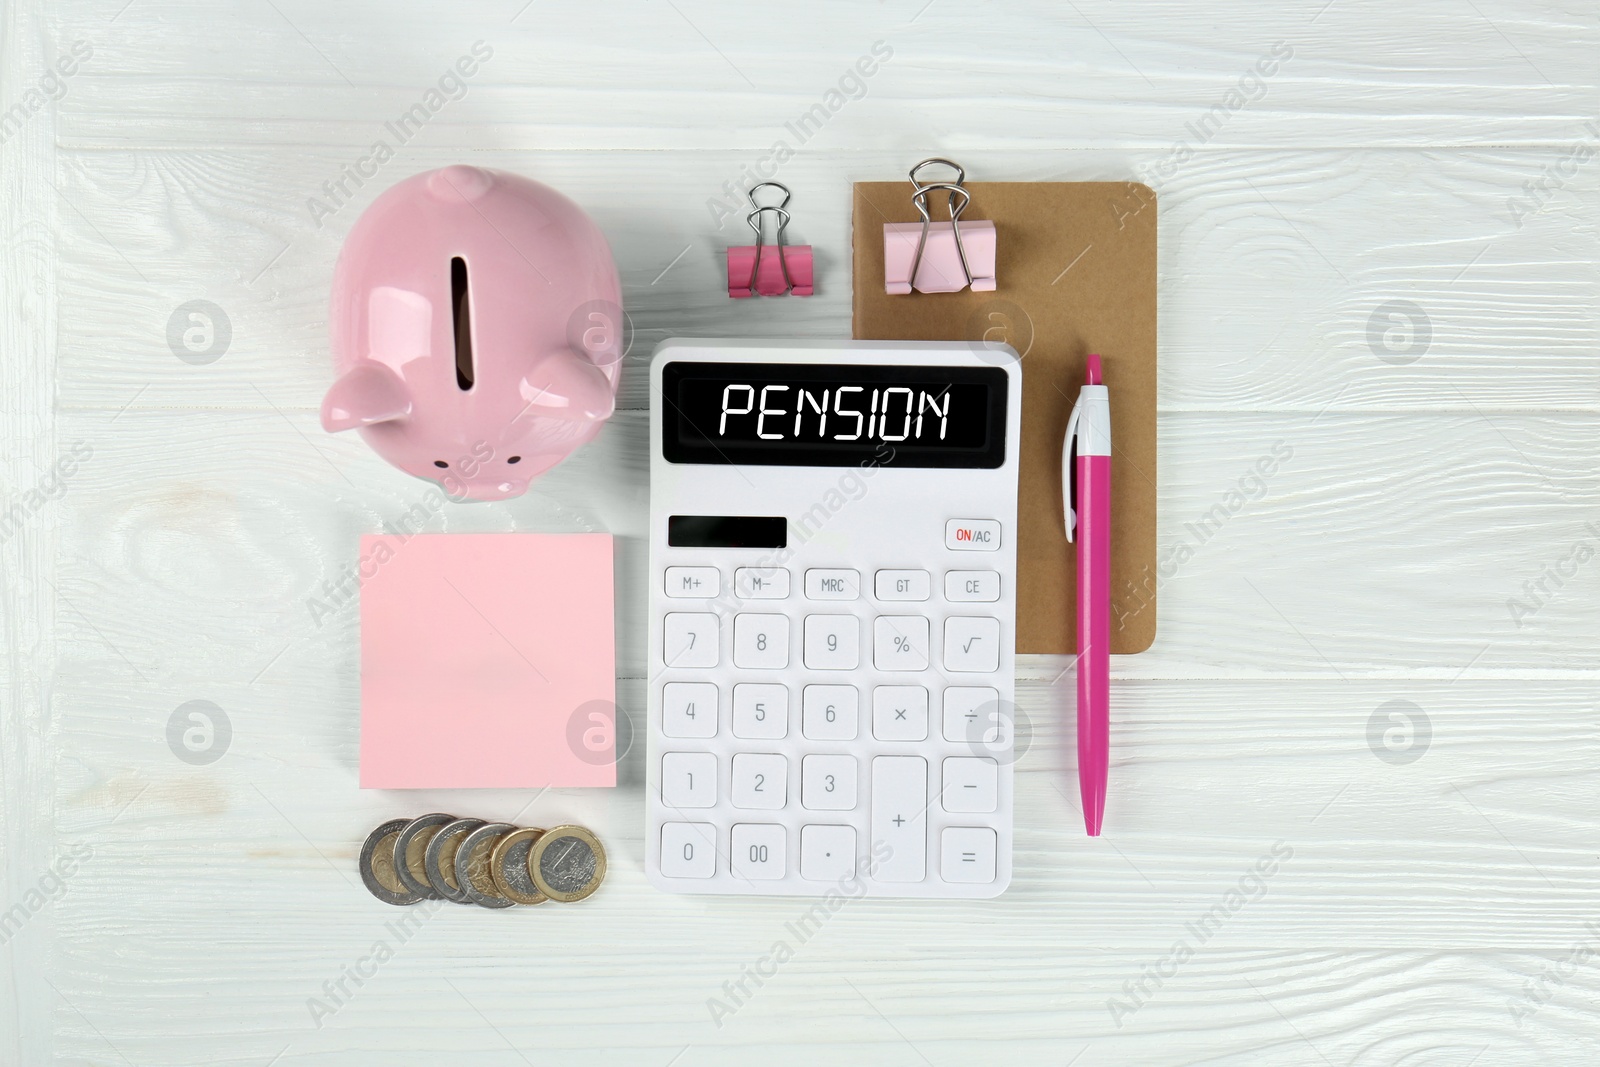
(832, 617)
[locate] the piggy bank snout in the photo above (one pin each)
(493, 488)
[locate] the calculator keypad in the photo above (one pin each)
(793, 768)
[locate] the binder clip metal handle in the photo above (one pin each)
(960, 178)
(750, 272)
(920, 199)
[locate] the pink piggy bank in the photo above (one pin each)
(476, 330)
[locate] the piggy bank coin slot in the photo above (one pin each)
(461, 308)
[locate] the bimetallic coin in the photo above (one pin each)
(472, 865)
(508, 866)
(567, 863)
(377, 865)
(411, 853)
(440, 859)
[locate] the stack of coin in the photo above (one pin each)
(490, 864)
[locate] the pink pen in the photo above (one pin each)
(1086, 493)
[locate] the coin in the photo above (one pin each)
(440, 859)
(567, 863)
(508, 866)
(472, 865)
(411, 853)
(377, 865)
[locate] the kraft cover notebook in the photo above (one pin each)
(1075, 270)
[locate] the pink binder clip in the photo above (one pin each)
(939, 257)
(773, 270)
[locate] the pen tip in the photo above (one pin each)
(1093, 375)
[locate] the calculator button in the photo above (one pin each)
(689, 709)
(760, 780)
(899, 801)
(971, 783)
(972, 535)
(971, 644)
(690, 640)
(760, 851)
(761, 642)
(900, 713)
(760, 711)
(903, 585)
(761, 583)
(972, 586)
(689, 779)
(827, 853)
(833, 642)
(972, 714)
(688, 849)
(828, 712)
(828, 783)
(900, 643)
(833, 585)
(693, 581)
(967, 853)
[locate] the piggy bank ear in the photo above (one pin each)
(564, 385)
(370, 393)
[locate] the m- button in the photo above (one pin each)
(972, 535)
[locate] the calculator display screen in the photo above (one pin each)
(833, 415)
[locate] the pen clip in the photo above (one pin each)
(1069, 473)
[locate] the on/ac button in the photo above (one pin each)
(972, 535)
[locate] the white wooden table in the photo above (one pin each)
(1381, 259)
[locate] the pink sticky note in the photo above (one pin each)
(487, 661)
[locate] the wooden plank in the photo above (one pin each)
(711, 75)
(1388, 292)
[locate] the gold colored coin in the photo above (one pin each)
(383, 863)
(508, 866)
(410, 853)
(377, 865)
(472, 865)
(567, 863)
(441, 858)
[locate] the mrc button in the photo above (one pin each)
(972, 535)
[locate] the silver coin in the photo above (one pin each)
(377, 865)
(440, 859)
(472, 865)
(411, 853)
(567, 863)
